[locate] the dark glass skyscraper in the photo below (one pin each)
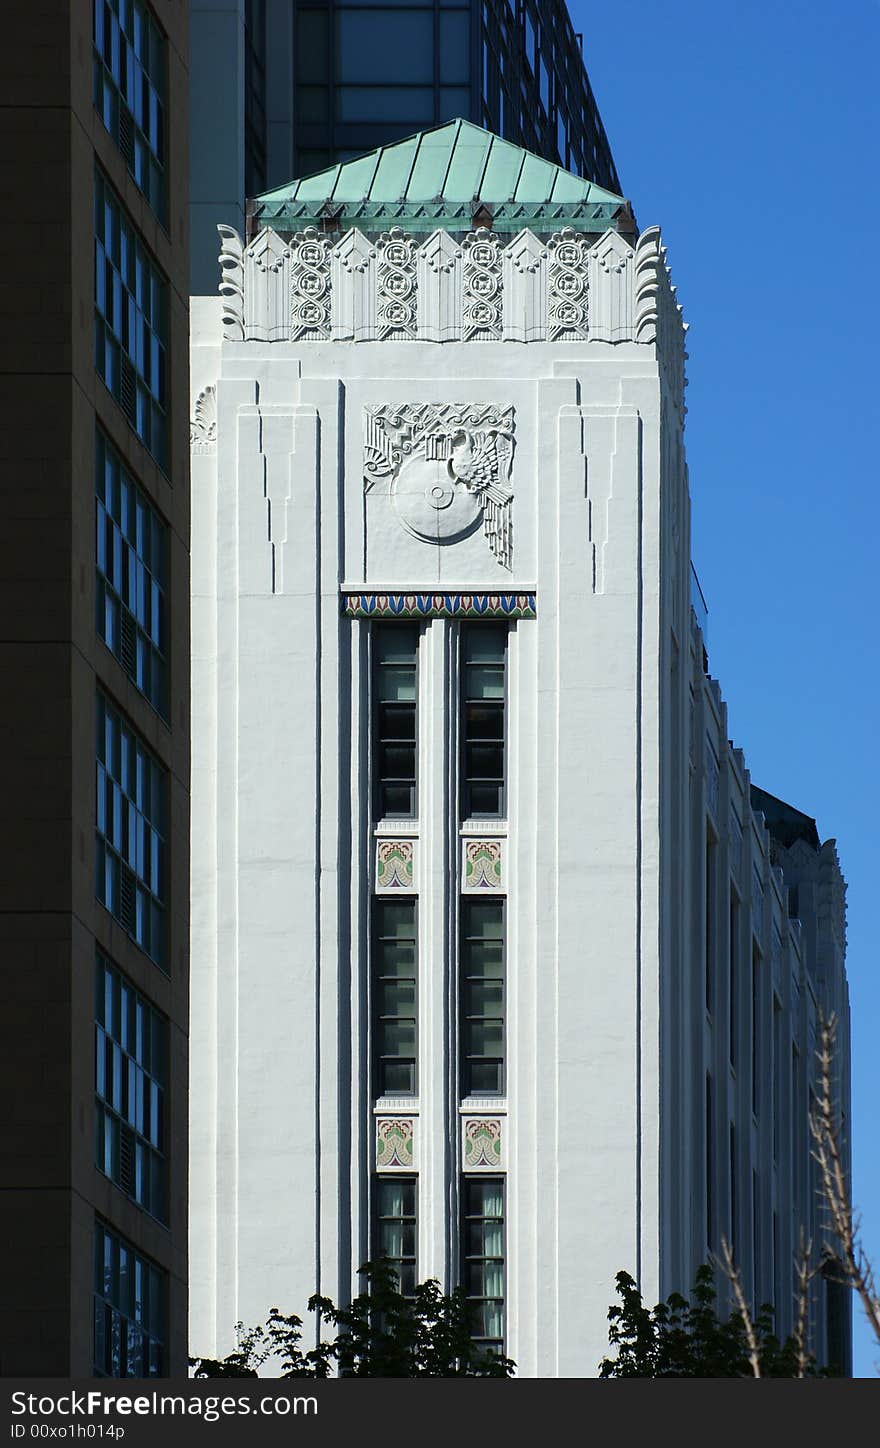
(367, 74)
(94, 657)
(320, 81)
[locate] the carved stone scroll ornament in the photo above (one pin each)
(203, 425)
(445, 468)
(231, 286)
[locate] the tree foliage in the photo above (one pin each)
(689, 1339)
(382, 1334)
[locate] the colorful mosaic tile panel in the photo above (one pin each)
(483, 865)
(395, 860)
(439, 605)
(481, 1143)
(394, 1143)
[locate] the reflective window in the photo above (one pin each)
(482, 997)
(454, 47)
(395, 985)
(255, 96)
(132, 547)
(394, 1227)
(374, 103)
(130, 832)
(130, 64)
(353, 92)
(129, 1310)
(529, 80)
(455, 101)
(483, 1257)
(395, 685)
(370, 45)
(131, 1065)
(482, 673)
(546, 103)
(131, 321)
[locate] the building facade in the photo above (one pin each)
(307, 83)
(94, 902)
(496, 963)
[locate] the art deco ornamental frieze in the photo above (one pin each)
(479, 288)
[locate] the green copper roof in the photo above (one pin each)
(441, 178)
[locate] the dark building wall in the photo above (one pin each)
(306, 83)
(364, 75)
(53, 662)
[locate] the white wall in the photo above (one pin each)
(610, 787)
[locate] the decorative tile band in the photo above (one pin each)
(483, 865)
(439, 605)
(394, 1143)
(481, 1143)
(395, 865)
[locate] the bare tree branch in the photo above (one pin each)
(825, 1127)
(731, 1272)
(803, 1276)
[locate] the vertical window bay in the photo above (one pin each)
(483, 687)
(395, 684)
(482, 997)
(483, 1258)
(395, 986)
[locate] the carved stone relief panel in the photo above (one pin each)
(568, 286)
(481, 287)
(203, 425)
(446, 469)
(396, 282)
(309, 287)
(438, 267)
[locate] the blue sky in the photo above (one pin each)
(751, 134)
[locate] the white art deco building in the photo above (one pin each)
(500, 966)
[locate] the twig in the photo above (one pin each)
(803, 1275)
(825, 1128)
(731, 1272)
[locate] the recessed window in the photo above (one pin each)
(733, 975)
(131, 322)
(482, 997)
(130, 68)
(757, 1017)
(370, 43)
(734, 1207)
(394, 1227)
(395, 681)
(483, 688)
(710, 903)
(131, 1072)
(132, 561)
(395, 1015)
(710, 1167)
(130, 1310)
(483, 1258)
(130, 832)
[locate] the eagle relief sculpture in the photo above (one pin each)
(446, 469)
